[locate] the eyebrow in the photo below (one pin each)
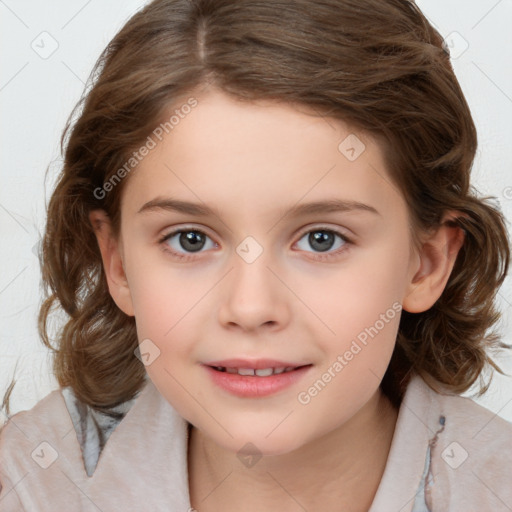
(202, 210)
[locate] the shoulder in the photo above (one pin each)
(46, 415)
(477, 429)
(41, 460)
(45, 420)
(27, 443)
(471, 454)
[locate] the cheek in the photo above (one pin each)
(355, 296)
(170, 310)
(166, 314)
(362, 309)
(162, 294)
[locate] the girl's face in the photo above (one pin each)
(261, 232)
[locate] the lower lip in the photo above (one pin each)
(252, 386)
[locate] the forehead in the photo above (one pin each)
(258, 156)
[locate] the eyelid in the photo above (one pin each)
(344, 232)
(341, 231)
(186, 227)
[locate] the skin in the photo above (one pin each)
(252, 162)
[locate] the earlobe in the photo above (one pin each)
(437, 257)
(112, 261)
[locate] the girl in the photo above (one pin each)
(276, 276)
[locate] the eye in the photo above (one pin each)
(323, 240)
(185, 241)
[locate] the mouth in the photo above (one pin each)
(258, 372)
(256, 379)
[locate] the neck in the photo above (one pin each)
(338, 471)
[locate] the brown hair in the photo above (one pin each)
(376, 64)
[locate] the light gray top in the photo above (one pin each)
(447, 454)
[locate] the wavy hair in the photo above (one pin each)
(378, 65)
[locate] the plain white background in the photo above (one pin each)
(49, 48)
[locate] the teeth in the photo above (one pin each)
(260, 372)
(264, 372)
(245, 371)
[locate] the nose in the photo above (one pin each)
(253, 298)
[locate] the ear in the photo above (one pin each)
(112, 257)
(436, 259)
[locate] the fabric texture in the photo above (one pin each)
(447, 454)
(93, 428)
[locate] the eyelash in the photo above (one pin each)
(320, 256)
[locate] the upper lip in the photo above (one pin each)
(254, 363)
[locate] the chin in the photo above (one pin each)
(256, 442)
